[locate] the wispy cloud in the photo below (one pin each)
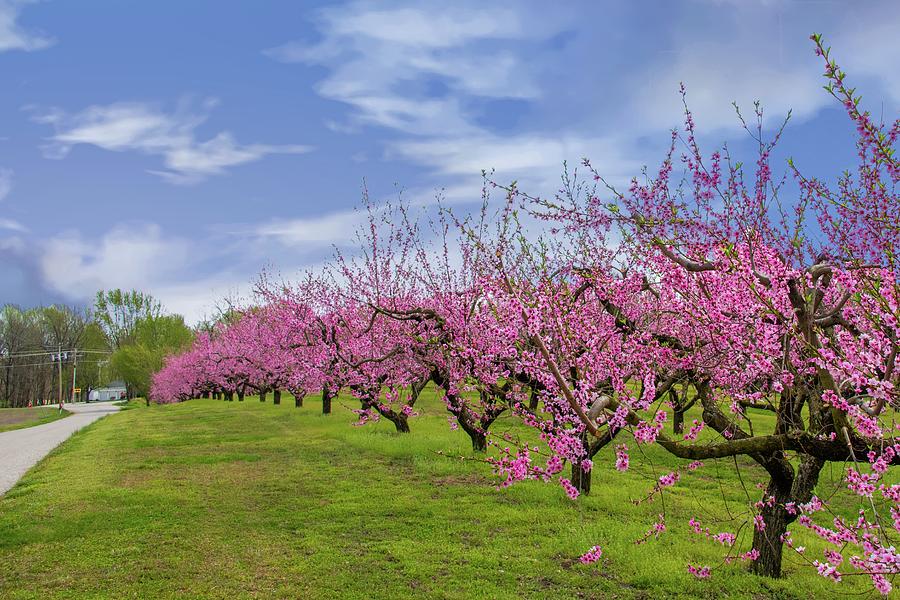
(175, 269)
(12, 225)
(379, 57)
(144, 128)
(510, 154)
(424, 71)
(6, 183)
(133, 256)
(336, 228)
(12, 35)
(863, 49)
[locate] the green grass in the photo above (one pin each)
(19, 418)
(209, 499)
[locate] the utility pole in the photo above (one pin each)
(59, 362)
(74, 370)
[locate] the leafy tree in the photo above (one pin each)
(20, 336)
(118, 312)
(91, 372)
(152, 338)
(29, 339)
(63, 326)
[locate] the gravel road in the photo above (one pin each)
(21, 449)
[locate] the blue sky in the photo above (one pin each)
(180, 147)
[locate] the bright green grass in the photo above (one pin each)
(19, 418)
(250, 500)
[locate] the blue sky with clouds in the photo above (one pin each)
(180, 147)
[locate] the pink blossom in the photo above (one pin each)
(699, 572)
(591, 556)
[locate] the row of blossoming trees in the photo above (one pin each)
(707, 292)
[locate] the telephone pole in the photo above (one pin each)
(74, 370)
(59, 363)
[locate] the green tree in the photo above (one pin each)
(151, 340)
(118, 312)
(30, 342)
(25, 372)
(93, 365)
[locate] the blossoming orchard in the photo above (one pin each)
(599, 317)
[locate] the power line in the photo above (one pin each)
(50, 352)
(52, 363)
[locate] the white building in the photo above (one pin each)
(114, 391)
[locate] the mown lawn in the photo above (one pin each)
(250, 500)
(17, 418)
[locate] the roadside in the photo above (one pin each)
(19, 418)
(21, 449)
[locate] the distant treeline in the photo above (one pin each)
(48, 352)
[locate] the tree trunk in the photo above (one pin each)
(678, 420)
(477, 435)
(401, 423)
(240, 395)
(768, 541)
(229, 396)
(262, 395)
(298, 400)
(326, 401)
(533, 400)
(581, 479)
(276, 396)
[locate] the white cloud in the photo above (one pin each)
(374, 54)
(428, 29)
(6, 183)
(761, 51)
(143, 128)
(143, 257)
(511, 154)
(422, 27)
(12, 35)
(416, 69)
(138, 257)
(6, 179)
(715, 75)
(198, 298)
(13, 245)
(533, 160)
(127, 257)
(334, 228)
(863, 50)
(12, 225)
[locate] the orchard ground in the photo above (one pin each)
(246, 499)
(18, 418)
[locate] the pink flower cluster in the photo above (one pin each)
(591, 556)
(571, 491)
(699, 572)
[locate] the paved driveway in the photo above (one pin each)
(21, 449)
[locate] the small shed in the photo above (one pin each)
(113, 391)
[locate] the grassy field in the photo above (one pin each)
(17, 418)
(250, 500)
